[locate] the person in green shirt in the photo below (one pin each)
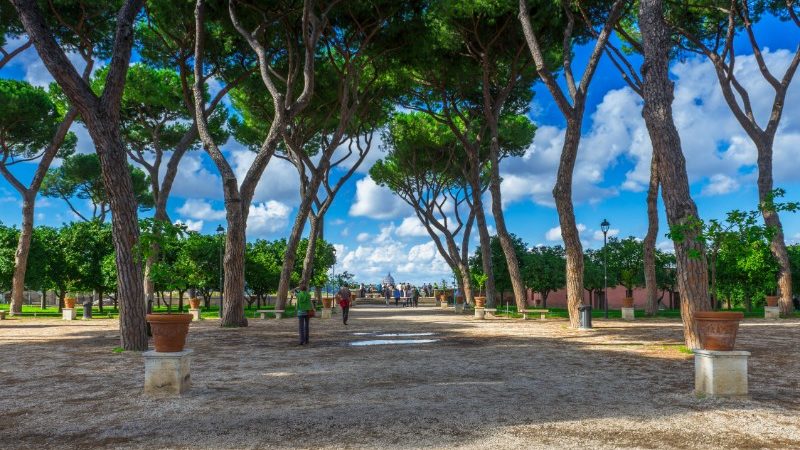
(303, 306)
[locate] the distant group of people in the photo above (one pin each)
(407, 293)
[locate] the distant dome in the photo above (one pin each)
(388, 279)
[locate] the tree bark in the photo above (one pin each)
(771, 218)
(649, 244)
(485, 243)
(502, 231)
(291, 248)
(101, 116)
(657, 90)
(21, 254)
(562, 192)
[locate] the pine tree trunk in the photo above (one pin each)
(235, 244)
(649, 244)
(291, 248)
(562, 192)
(502, 231)
(692, 267)
(308, 260)
(772, 220)
(485, 245)
(21, 255)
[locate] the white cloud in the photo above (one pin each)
(415, 263)
(719, 155)
(411, 227)
(720, 184)
(598, 234)
(345, 232)
(554, 234)
(376, 202)
(362, 237)
(279, 181)
(195, 208)
(191, 225)
(267, 217)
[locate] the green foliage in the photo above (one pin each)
(544, 269)
(626, 262)
(263, 263)
(80, 176)
(86, 246)
(8, 245)
(28, 120)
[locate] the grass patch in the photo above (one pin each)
(118, 350)
(685, 349)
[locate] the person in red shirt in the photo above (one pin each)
(345, 299)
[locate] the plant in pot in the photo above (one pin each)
(194, 301)
(628, 279)
(717, 329)
(169, 331)
(327, 302)
(772, 300)
(480, 281)
(69, 302)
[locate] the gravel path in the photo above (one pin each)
(483, 384)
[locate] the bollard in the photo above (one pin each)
(87, 310)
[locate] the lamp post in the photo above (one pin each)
(604, 226)
(221, 234)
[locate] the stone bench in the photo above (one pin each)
(542, 313)
(3, 315)
(278, 313)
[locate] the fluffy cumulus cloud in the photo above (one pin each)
(554, 234)
(720, 156)
(412, 227)
(376, 202)
(267, 217)
(409, 263)
(598, 234)
(199, 209)
(191, 225)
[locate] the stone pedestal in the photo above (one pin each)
(720, 374)
(166, 373)
(279, 314)
(480, 313)
(326, 313)
(627, 313)
(443, 304)
(195, 314)
(68, 313)
(772, 312)
(459, 308)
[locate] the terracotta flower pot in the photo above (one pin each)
(627, 302)
(480, 302)
(717, 329)
(327, 302)
(169, 331)
(69, 302)
(194, 303)
(460, 300)
(772, 300)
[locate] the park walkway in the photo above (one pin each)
(490, 384)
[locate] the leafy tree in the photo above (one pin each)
(80, 177)
(544, 270)
(203, 251)
(8, 242)
(32, 128)
(86, 246)
(263, 267)
(626, 263)
(593, 273)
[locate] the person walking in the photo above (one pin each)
(345, 300)
(303, 314)
(396, 296)
(415, 297)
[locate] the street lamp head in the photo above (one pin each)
(605, 226)
(220, 230)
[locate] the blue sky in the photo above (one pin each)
(375, 232)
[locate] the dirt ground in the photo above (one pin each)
(483, 384)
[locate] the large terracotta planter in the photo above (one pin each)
(327, 302)
(194, 303)
(480, 302)
(717, 329)
(627, 302)
(169, 331)
(69, 302)
(772, 300)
